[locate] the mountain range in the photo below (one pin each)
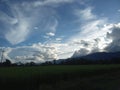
(100, 56)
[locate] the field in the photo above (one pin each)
(61, 77)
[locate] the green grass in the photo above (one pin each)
(61, 77)
(15, 72)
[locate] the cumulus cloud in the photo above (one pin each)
(114, 36)
(36, 53)
(91, 37)
(46, 52)
(87, 47)
(81, 52)
(110, 42)
(50, 34)
(94, 35)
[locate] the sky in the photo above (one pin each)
(44, 30)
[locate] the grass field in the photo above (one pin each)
(61, 77)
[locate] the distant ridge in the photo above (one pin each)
(100, 56)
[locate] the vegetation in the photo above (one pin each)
(61, 77)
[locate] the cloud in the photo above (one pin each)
(109, 42)
(52, 25)
(118, 10)
(50, 34)
(85, 14)
(91, 35)
(39, 52)
(5, 53)
(58, 39)
(88, 46)
(81, 52)
(36, 53)
(91, 26)
(51, 2)
(18, 34)
(114, 37)
(24, 16)
(41, 16)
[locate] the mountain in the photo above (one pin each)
(94, 58)
(100, 56)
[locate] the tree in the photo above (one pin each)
(7, 63)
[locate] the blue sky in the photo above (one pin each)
(42, 30)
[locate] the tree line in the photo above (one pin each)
(69, 61)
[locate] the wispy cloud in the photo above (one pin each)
(51, 2)
(41, 16)
(19, 33)
(24, 17)
(85, 14)
(92, 31)
(118, 10)
(91, 26)
(39, 52)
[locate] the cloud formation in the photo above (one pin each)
(85, 14)
(91, 26)
(19, 24)
(46, 52)
(35, 53)
(47, 20)
(92, 33)
(110, 42)
(50, 34)
(114, 36)
(81, 52)
(51, 2)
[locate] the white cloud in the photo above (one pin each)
(44, 52)
(52, 24)
(92, 32)
(51, 2)
(58, 39)
(85, 14)
(81, 52)
(108, 42)
(118, 10)
(91, 26)
(36, 53)
(24, 17)
(50, 34)
(93, 29)
(19, 33)
(39, 52)
(90, 38)
(114, 37)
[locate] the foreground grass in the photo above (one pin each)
(79, 77)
